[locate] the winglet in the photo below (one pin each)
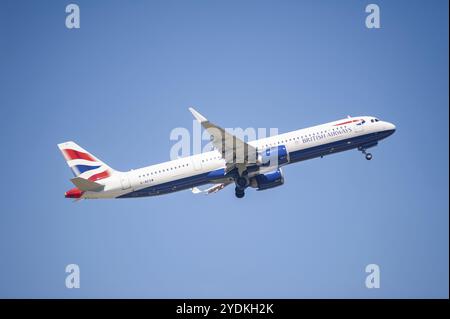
(195, 190)
(86, 185)
(197, 115)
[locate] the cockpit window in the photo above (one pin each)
(376, 120)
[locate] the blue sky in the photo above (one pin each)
(124, 80)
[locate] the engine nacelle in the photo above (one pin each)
(273, 157)
(267, 180)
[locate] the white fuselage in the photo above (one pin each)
(358, 132)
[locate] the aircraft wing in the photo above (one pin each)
(213, 189)
(235, 151)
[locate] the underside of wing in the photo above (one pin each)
(235, 152)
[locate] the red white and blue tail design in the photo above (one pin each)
(83, 164)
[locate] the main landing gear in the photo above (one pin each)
(242, 183)
(239, 192)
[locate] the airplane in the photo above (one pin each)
(255, 164)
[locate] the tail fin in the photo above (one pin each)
(83, 164)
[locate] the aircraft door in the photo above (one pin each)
(125, 182)
(359, 126)
(196, 163)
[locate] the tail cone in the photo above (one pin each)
(73, 193)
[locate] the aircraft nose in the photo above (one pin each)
(391, 126)
(387, 126)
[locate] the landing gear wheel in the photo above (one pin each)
(240, 195)
(242, 182)
(368, 155)
(239, 192)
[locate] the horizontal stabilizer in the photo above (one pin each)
(86, 185)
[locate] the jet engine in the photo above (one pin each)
(267, 180)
